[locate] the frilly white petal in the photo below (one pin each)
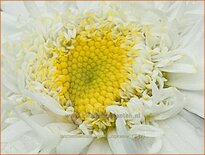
(99, 146)
(73, 145)
(160, 111)
(181, 136)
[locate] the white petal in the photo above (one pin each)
(8, 79)
(99, 146)
(61, 128)
(33, 9)
(193, 42)
(176, 103)
(26, 144)
(14, 131)
(193, 119)
(188, 81)
(9, 134)
(146, 130)
(8, 26)
(115, 143)
(195, 102)
(59, 7)
(127, 142)
(117, 109)
(48, 102)
(82, 6)
(181, 137)
(74, 145)
(179, 68)
(148, 145)
(14, 8)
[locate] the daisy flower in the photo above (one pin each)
(102, 77)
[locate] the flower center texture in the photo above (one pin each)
(88, 70)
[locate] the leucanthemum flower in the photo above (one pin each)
(99, 77)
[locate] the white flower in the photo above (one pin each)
(100, 77)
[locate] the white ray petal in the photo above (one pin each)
(146, 130)
(48, 102)
(117, 109)
(181, 137)
(8, 27)
(49, 139)
(195, 102)
(115, 143)
(73, 145)
(148, 145)
(61, 128)
(127, 142)
(26, 144)
(9, 134)
(194, 120)
(33, 9)
(99, 146)
(193, 81)
(179, 68)
(14, 8)
(59, 7)
(82, 6)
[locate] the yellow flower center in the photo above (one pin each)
(94, 71)
(91, 68)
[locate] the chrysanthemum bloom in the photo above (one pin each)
(123, 77)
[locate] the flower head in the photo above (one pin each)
(98, 73)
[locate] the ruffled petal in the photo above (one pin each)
(176, 102)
